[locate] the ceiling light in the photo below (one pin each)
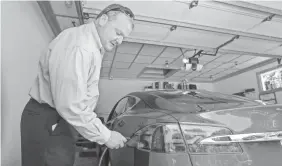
(184, 60)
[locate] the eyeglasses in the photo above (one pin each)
(116, 7)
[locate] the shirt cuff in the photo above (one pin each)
(106, 135)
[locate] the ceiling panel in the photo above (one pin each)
(226, 65)
(242, 58)
(177, 62)
(193, 74)
(276, 51)
(179, 74)
(212, 65)
(270, 28)
(149, 31)
(121, 65)
(206, 62)
(66, 22)
(172, 9)
(136, 67)
(215, 71)
(220, 15)
(60, 7)
(197, 37)
(144, 59)
(106, 63)
(205, 79)
(207, 57)
(207, 13)
(251, 62)
(226, 57)
(129, 48)
(220, 75)
(230, 71)
(171, 52)
(256, 60)
(243, 66)
(207, 75)
(189, 53)
(205, 70)
(271, 4)
(162, 61)
(151, 50)
(250, 45)
(122, 57)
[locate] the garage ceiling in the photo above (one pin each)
(244, 35)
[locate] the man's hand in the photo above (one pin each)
(116, 140)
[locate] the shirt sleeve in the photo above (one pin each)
(69, 69)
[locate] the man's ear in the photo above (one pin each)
(103, 20)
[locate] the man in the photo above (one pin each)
(65, 92)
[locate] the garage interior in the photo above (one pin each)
(231, 42)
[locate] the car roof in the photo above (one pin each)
(173, 92)
(189, 95)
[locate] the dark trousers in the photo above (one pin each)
(42, 146)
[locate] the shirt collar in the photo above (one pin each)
(97, 37)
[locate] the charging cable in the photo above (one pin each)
(106, 149)
(102, 156)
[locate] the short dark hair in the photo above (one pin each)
(118, 8)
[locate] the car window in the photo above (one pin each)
(140, 105)
(131, 102)
(120, 108)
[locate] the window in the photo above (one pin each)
(140, 105)
(270, 80)
(120, 108)
(131, 102)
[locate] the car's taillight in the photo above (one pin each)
(195, 133)
(168, 138)
(163, 138)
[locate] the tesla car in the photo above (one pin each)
(195, 128)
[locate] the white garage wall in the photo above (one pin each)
(24, 38)
(244, 81)
(112, 90)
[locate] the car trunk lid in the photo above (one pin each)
(257, 129)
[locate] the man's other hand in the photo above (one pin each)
(116, 140)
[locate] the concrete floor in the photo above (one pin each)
(86, 161)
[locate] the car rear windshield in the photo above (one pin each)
(205, 101)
